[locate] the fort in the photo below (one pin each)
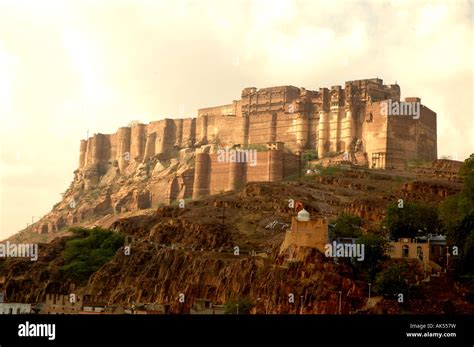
(176, 159)
(328, 121)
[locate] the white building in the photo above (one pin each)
(14, 308)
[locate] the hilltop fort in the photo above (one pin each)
(144, 165)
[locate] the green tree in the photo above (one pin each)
(394, 279)
(411, 219)
(347, 225)
(88, 250)
(374, 248)
(457, 215)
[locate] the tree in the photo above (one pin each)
(466, 259)
(457, 215)
(374, 247)
(88, 250)
(394, 279)
(347, 225)
(411, 219)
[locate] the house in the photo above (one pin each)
(62, 304)
(152, 309)
(205, 306)
(14, 308)
(430, 250)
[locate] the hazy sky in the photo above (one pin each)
(68, 67)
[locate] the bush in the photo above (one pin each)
(394, 280)
(374, 248)
(407, 221)
(347, 225)
(88, 250)
(457, 214)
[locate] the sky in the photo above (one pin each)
(71, 68)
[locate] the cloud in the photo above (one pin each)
(71, 67)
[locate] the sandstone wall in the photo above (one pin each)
(374, 132)
(222, 110)
(123, 147)
(225, 130)
(412, 139)
(326, 120)
(312, 234)
(138, 142)
(427, 135)
(214, 177)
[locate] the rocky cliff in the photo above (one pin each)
(190, 248)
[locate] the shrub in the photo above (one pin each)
(409, 220)
(347, 225)
(88, 250)
(374, 247)
(394, 280)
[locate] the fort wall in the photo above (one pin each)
(374, 134)
(213, 176)
(326, 120)
(202, 171)
(124, 135)
(138, 142)
(82, 153)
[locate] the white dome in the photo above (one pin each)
(303, 215)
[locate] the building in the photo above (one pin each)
(305, 232)
(431, 250)
(205, 306)
(152, 309)
(89, 309)
(62, 304)
(14, 308)
(356, 122)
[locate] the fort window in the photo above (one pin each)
(419, 252)
(405, 251)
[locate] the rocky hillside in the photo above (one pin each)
(190, 249)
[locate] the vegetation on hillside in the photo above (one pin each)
(88, 250)
(347, 225)
(394, 279)
(457, 215)
(412, 220)
(375, 254)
